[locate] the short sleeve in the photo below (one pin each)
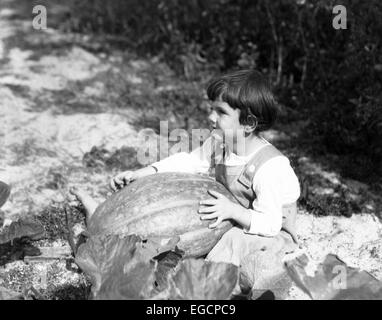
(275, 184)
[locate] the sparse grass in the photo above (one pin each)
(78, 291)
(52, 280)
(54, 220)
(63, 285)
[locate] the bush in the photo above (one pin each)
(332, 77)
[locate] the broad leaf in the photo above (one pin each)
(199, 279)
(22, 228)
(334, 280)
(121, 268)
(15, 240)
(129, 268)
(167, 263)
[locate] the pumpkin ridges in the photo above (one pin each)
(161, 209)
(118, 196)
(162, 205)
(199, 243)
(170, 203)
(166, 213)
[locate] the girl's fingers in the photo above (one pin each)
(215, 194)
(112, 185)
(207, 209)
(115, 183)
(208, 202)
(215, 224)
(209, 216)
(118, 180)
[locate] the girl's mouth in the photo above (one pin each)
(216, 133)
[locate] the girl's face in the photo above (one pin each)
(224, 119)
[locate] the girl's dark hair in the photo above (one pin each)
(249, 91)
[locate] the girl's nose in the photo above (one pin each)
(212, 117)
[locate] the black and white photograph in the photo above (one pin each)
(203, 150)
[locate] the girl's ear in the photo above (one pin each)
(251, 124)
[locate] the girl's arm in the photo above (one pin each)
(125, 177)
(197, 161)
(275, 184)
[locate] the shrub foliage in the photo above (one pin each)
(332, 77)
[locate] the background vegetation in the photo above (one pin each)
(328, 80)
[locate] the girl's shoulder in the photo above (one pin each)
(270, 161)
(264, 156)
(277, 169)
(264, 165)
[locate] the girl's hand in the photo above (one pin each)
(122, 179)
(221, 208)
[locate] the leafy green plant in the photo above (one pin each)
(129, 268)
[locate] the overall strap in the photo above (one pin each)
(254, 164)
(218, 153)
(289, 211)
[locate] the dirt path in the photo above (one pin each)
(55, 106)
(42, 135)
(52, 113)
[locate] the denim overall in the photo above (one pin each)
(249, 251)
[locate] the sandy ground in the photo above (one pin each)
(54, 108)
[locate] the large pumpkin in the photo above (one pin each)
(162, 205)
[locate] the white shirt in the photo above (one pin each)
(274, 184)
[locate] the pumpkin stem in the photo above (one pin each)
(86, 200)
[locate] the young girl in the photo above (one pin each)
(257, 174)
